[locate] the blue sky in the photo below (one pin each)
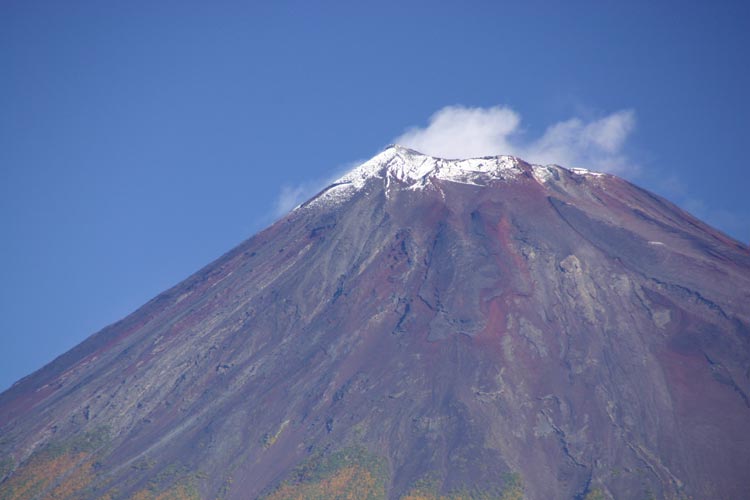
(141, 140)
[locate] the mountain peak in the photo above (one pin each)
(480, 327)
(414, 169)
(400, 167)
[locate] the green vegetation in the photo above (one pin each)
(175, 481)
(60, 470)
(429, 489)
(595, 494)
(87, 442)
(512, 487)
(351, 473)
(184, 490)
(354, 473)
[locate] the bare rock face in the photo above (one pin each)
(423, 328)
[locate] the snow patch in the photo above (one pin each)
(583, 171)
(543, 174)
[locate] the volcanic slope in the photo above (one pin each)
(422, 328)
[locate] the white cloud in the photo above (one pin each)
(459, 132)
(292, 195)
(462, 132)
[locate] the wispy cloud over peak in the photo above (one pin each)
(465, 132)
(462, 132)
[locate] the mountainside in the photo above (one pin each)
(422, 328)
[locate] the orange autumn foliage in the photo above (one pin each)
(75, 481)
(348, 483)
(176, 492)
(43, 471)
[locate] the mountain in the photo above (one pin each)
(422, 328)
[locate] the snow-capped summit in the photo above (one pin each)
(399, 167)
(414, 169)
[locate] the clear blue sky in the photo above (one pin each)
(140, 140)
